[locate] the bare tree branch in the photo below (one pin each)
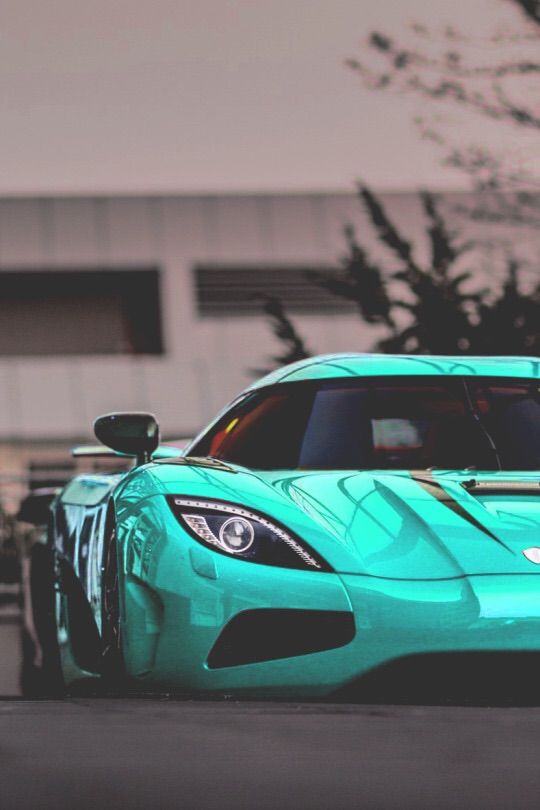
(447, 72)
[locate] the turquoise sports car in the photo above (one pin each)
(343, 516)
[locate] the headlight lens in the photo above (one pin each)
(233, 530)
(236, 535)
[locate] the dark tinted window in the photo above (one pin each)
(264, 431)
(511, 415)
(90, 311)
(382, 423)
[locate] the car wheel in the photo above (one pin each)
(41, 671)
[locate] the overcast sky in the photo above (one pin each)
(206, 95)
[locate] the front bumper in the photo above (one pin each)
(393, 619)
(178, 597)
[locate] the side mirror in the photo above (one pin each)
(132, 434)
(35, 507)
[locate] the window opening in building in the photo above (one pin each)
(59, 312)
(224, 290)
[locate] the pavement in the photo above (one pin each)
(158, 752)
(91, 753)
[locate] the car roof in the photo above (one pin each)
(332, 366)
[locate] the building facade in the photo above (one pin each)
(154, 303)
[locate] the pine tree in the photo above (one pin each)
(294, 348)
(426, 309)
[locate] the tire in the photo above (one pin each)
(41, 679)
(113, 670)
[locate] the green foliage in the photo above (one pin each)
(283, 328)
(511, 325)
(446, 316)
(426, 309)
(434, 307)
(361, 282)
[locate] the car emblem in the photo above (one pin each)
(533, 554)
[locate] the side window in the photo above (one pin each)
(265, 431)
(211, 441)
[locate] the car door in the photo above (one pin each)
(80, 520)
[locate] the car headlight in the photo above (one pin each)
(240, 533)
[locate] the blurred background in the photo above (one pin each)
(194, 193)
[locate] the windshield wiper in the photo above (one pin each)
(476, 416)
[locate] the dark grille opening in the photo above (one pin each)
(232, 290)
(461, 678)
(266, 634)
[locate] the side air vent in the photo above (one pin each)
(502, 487)
(262, 635)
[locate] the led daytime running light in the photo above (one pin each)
(200, 526)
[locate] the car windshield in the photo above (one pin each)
(383, 423)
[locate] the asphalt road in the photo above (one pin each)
(162, 753)
(93, 753)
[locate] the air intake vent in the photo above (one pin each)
(265, 634)
(232, 290)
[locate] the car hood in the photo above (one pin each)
(398, 524)
(426, 525)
